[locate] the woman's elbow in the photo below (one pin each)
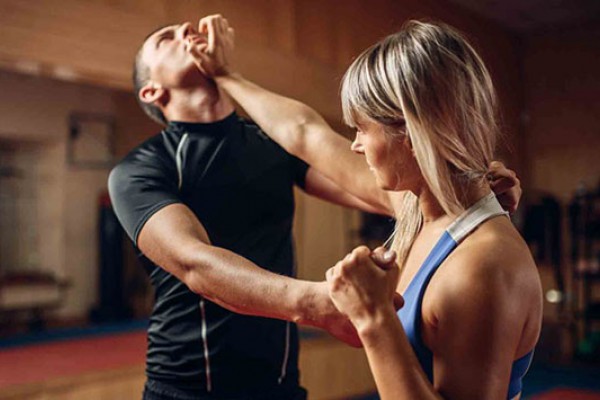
(299, 129)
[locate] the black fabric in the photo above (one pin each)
(239, 184)
(154, 390)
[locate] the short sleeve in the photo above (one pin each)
(299, 169)
(140, 186)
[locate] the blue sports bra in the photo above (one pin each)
(410, 314)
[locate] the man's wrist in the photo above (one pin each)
(310, 305)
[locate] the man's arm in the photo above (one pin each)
(174, 239)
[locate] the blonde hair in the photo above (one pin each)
(430, 77)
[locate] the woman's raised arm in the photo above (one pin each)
(296, 127)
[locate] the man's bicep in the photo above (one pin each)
(169, 235)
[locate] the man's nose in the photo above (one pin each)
(184, 30)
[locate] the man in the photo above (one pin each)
(208, 201)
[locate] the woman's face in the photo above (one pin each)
(389, 155)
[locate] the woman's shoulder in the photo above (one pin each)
(493, 259)
(490, 278)
(494, 247)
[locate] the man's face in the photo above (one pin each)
(164, 52)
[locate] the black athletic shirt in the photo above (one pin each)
(239, 184)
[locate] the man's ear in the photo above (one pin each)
(151, 93)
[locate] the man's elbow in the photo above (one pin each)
(194, 269)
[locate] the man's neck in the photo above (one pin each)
(198, 104)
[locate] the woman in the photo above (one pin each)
(424, 108)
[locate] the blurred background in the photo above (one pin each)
(70, 286)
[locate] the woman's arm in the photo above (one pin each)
(395, 368)
(318, 185)
(476, 334)
(299, 129)
(364, 292)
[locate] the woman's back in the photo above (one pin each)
(476, 305)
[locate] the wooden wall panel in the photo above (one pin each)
(72, 39)
(296, 47)
(563, 111)
(311, 41)
(37, 111)
(95, 41)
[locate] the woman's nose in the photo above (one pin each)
(357, 147)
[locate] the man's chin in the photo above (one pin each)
(193, 77)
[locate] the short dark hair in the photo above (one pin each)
(141, 76)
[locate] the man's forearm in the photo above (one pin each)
(174, 239)
(241, 286)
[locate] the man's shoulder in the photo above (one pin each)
(252, 129)
(148, 156)
(150, 150)
(260, 141)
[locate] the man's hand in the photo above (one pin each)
(506, 185)
(213, 57)
(321, 313)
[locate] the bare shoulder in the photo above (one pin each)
(495, 250)
(492, 263)
(487, 289)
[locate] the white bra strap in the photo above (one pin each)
(486, 208)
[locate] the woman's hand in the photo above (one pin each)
(363, 285)
(506, 185)
(213, 57)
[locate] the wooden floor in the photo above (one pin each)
(111, 367)
(92, 368)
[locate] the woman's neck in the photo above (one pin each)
(432, 210)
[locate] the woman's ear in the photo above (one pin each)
(407, 142)
(151, 93)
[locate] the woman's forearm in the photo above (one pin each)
(396, 370)
(282, 118)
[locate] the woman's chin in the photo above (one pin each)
(383, 184)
